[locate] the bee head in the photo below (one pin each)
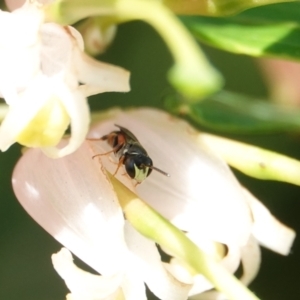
(138, 166)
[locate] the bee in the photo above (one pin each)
(131, 154)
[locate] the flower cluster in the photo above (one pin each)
(202, 198)
(45, 78)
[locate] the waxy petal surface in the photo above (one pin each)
(73, 200)
(146, 263)
(201, 195)
(82, 284)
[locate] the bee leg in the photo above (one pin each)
(121, 160)
(103, 138)
(101, 154)
(113, 161)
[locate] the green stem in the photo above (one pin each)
(164, 21)
(192, 74)
(182, 45)
(255, 161)
(152, 225)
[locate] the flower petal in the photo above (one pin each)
(73, 200)
(269, 231)
(47, 127)
(20, 113)
(250, 255)
(210, 295)
(98, 77)
(133, 286)
(56, 50)
(78, 110)
(146, 263)
(82, 284)
(201, 193)
(19, 48)
(199, 283)
(251, 258)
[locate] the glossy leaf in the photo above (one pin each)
(230, 112)
(272, 30)
(215, 7)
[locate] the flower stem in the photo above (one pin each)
(152, 225)
(255, 161)
(192, 74)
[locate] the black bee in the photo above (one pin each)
(131, 154)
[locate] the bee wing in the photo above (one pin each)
(129, 135)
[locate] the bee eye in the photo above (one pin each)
(130, 166)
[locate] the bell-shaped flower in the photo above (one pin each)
(83, 213)
(45, 78)
(74, 200)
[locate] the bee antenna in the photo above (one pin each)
(159, 170)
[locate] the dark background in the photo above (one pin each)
(25, 266)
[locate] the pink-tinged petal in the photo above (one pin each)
(146, 262)
(267, 230)
(82, 284)
(201, 193)
(73, 200)
(14, 4)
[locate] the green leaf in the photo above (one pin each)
(214, 7)
(235, 113)
(192, 74)
(272, 30)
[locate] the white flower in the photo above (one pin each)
(201, 197)
(45, 78)
(83, 213)
(72, 198)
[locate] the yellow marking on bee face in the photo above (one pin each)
(140, 174)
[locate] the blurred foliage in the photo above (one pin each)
(236, 113)
(272, 30)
